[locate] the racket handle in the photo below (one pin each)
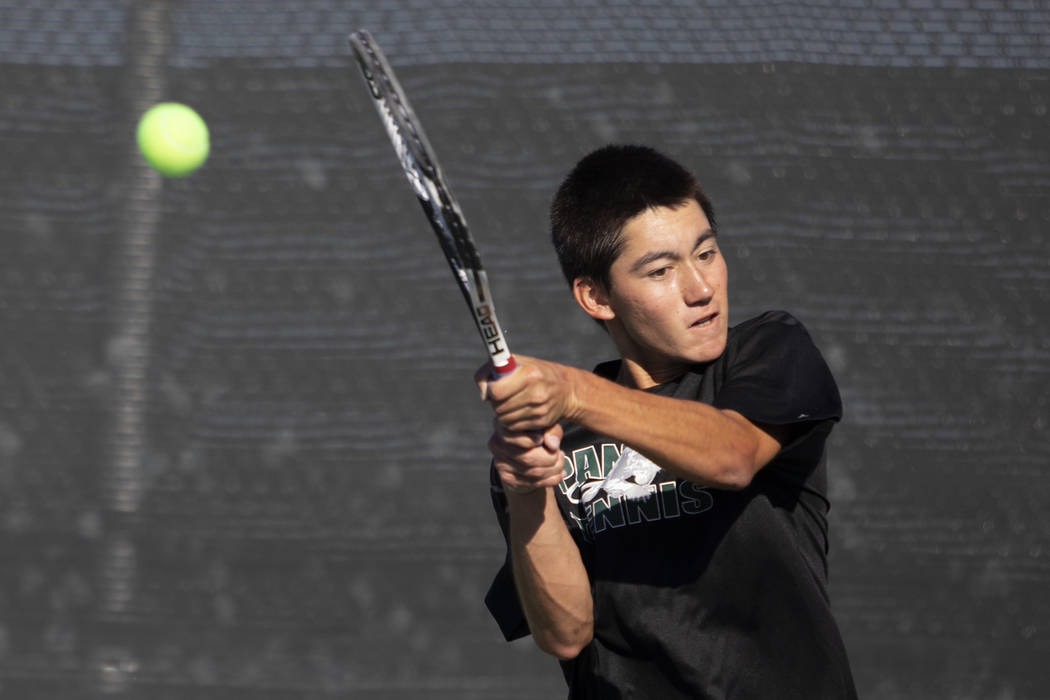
(506, 368)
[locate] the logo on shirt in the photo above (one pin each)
(614, 488)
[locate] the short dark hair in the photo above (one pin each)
(606, 189)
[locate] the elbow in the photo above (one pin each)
(736, 472)
(726, 472)
(731, 482)
(569, 646)
(746, 449)
(565, 652)
(735, 479)
(739, 462)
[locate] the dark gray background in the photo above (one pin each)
(241, 455)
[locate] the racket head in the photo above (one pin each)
(420, 164)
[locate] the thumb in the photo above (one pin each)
(482, 377)
(552, 437)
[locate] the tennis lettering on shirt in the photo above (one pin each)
(611, 488)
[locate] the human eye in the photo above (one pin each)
(658, 273)
(707, 254)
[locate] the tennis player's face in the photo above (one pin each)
(667, 290)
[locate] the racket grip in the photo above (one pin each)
(506, 368)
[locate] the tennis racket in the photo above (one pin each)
(428, 182)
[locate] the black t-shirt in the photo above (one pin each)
(700, 592)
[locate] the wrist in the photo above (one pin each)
(526, 498)
(574, 380)
(520, 490)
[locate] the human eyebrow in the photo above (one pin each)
(655, 255)
(652, 257)
(704, 237)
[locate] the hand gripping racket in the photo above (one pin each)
(424, 174)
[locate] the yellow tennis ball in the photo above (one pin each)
(173, 139)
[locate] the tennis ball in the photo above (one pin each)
(173, 139)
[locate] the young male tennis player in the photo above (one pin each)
(665, 514)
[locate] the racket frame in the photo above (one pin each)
(420, 164)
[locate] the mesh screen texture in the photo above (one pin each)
(241, 455)
(915, 33)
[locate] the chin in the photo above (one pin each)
(708, 352)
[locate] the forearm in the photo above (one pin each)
(552, 582)
(690, 439)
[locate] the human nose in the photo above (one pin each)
(696, 288)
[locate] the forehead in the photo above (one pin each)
(663, 228)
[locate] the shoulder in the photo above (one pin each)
(774, 372)
(767, 322)
(770, 332)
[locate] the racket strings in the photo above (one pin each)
(403, 115)
(410, 133)
(443, 212)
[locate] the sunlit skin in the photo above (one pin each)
(666, 306)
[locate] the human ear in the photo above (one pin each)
(593, 298)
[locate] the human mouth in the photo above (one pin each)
(704, 322)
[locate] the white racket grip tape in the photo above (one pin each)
(492, 335)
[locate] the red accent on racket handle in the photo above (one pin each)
(505, 369)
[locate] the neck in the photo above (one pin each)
(637, 370)
(635, 375)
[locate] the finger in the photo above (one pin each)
(527, 421)
(547, 477)
(531, 460)
(553, 479)
(512, 439)
(524, 458)
(523, 440)
(482, 377)
(552, 437)
(522, 386)
(514, 474)
(543, 483)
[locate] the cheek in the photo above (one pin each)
(649, 306)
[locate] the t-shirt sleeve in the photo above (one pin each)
(776, 375)
(502, 597)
